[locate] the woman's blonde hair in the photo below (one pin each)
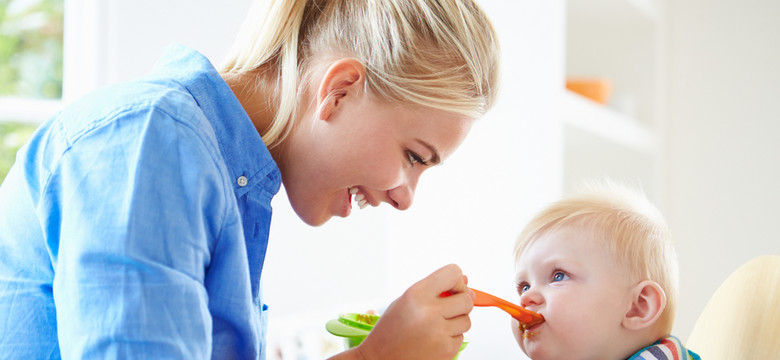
(629, 224)
(435, 53)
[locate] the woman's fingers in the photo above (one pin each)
(449, 278)
(459, 324)
(457, 305)
(450, 286)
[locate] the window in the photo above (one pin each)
(31, 53)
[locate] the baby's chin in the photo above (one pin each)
(534, 352)
(521, 338)
(531, 346)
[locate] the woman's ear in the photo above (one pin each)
(344, 78)
(648, 301)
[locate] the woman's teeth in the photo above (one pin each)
(360, 199)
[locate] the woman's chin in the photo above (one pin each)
(316, 220)
(312, 218)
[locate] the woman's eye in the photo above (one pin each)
(559, 276)
(414, 158)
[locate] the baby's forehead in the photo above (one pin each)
(564, 244)
(572, 232)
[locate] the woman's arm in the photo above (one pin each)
(139, 211)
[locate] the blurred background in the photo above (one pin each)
(679, 97)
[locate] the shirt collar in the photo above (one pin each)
(241, 145)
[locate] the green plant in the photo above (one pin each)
(31, 48)
(12, 137)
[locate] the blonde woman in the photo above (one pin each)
(135, 222)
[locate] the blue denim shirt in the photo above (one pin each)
(134, 224)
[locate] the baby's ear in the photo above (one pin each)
(648, 302)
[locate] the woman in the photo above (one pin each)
(135, 221)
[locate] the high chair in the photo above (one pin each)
(742, 319)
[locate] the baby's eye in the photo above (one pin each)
(521, 288)
(559, 276)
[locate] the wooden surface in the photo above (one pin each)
(742, 319)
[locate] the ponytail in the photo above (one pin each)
(441, 54)
(276, 42)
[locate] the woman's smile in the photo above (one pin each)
(360, 198)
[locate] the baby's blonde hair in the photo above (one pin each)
(629, 224)
(435, 53)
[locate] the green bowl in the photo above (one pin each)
(354, 327)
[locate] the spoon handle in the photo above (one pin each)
(518, 312)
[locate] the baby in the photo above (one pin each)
(600, 267)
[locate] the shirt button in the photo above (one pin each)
(241, 181)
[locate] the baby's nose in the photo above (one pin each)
(531, 298)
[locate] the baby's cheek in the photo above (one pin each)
(518, 333)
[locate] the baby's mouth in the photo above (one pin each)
(530, 330)
(360, 198)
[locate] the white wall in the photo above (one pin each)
(108, 41)
(723, 155)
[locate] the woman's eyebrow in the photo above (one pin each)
(435, 159)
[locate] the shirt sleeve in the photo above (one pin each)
(137, 204)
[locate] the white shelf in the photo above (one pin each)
(606, 123)
(618, 40)
(631, 11)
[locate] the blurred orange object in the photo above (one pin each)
(598, 90)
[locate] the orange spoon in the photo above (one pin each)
(527, 318)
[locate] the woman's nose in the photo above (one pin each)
(401, 196)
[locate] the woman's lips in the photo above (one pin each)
(346, 207)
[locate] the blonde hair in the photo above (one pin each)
(441, 54)
(629, 224)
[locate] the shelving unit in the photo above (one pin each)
(620, 41)
(606, 123)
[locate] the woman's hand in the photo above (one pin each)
(422, 324)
